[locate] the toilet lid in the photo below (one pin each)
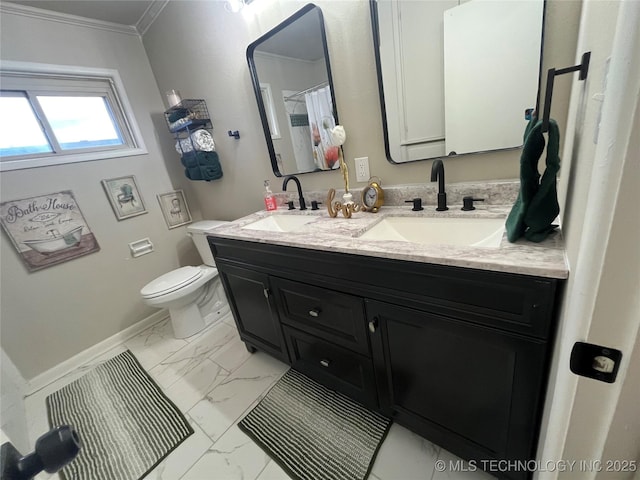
(171, 281)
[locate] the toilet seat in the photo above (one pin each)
(172, 281)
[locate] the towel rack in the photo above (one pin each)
(583, 67)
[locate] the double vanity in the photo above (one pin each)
(431, 318)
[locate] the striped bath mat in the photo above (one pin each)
(314, 433)
(125, 423)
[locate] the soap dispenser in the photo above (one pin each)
(269, 198)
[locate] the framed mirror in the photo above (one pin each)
(291, 77)
(456, 76)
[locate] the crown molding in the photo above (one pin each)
(150, 15)
(41, 14)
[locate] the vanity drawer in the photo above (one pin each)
(333, 366)
(336, 317)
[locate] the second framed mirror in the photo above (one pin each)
(291, 76)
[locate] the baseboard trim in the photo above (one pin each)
(40, 381)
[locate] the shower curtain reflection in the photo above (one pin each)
(321, 121)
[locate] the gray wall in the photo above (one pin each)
(50, 315)
(199, 48)
(207, 59)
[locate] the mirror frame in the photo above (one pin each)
(256, 81)
(373, 6)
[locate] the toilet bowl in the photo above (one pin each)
(194, 296)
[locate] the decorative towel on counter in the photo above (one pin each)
(201, 140)
(537, 203)
(202, 166)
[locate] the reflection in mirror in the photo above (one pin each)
(456, 76)
(291, 76)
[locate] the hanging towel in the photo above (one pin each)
(202, 166)
(537, 203)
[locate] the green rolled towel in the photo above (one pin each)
(202, 166)
(177, 114)
(537, 202)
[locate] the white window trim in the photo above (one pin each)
(44, 68)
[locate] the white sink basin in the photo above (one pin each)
(280, 223)
(475, 232)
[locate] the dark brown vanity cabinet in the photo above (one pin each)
(459, 356)
(471, 389)
(250, 298)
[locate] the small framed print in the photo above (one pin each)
(174, 209)
(124, 197)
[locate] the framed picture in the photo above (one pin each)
(124, 197)
(48, 229)
(174, 208)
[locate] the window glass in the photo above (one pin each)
(57, 114)
(20, 130)
(80, 122)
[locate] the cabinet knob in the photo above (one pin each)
(315, 312)
(266, 293)
(373, 325)
(325, 363)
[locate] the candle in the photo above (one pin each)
(173, 98)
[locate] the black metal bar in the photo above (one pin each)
(583, 68)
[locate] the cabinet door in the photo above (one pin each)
(471, 389)
(253, 308)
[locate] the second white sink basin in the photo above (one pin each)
(474, 232)
(280, 223)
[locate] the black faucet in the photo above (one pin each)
(437, 174)
(303, 205)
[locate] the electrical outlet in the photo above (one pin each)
(362, 169)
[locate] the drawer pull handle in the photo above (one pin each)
(266, 293)
(315, 312)
(373, 325)
(325, 363)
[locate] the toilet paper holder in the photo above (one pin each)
(141, 247)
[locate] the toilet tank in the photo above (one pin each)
(198, 232)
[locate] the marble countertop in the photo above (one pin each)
(544, 259)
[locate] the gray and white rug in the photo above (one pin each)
(125, 423)
(314, 433)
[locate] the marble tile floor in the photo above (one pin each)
(214, 381)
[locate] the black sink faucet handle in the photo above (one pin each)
(417, 204)
(467, 203)
(314, 205)
(290, 203)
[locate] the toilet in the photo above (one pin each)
(193, 295)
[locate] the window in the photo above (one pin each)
(63, 115)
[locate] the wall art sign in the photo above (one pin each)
(124, 196)
(47, 230)
(174, 208)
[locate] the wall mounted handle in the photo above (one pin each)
(235, 134)
(315, 312)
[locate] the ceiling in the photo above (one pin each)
(124, 12)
